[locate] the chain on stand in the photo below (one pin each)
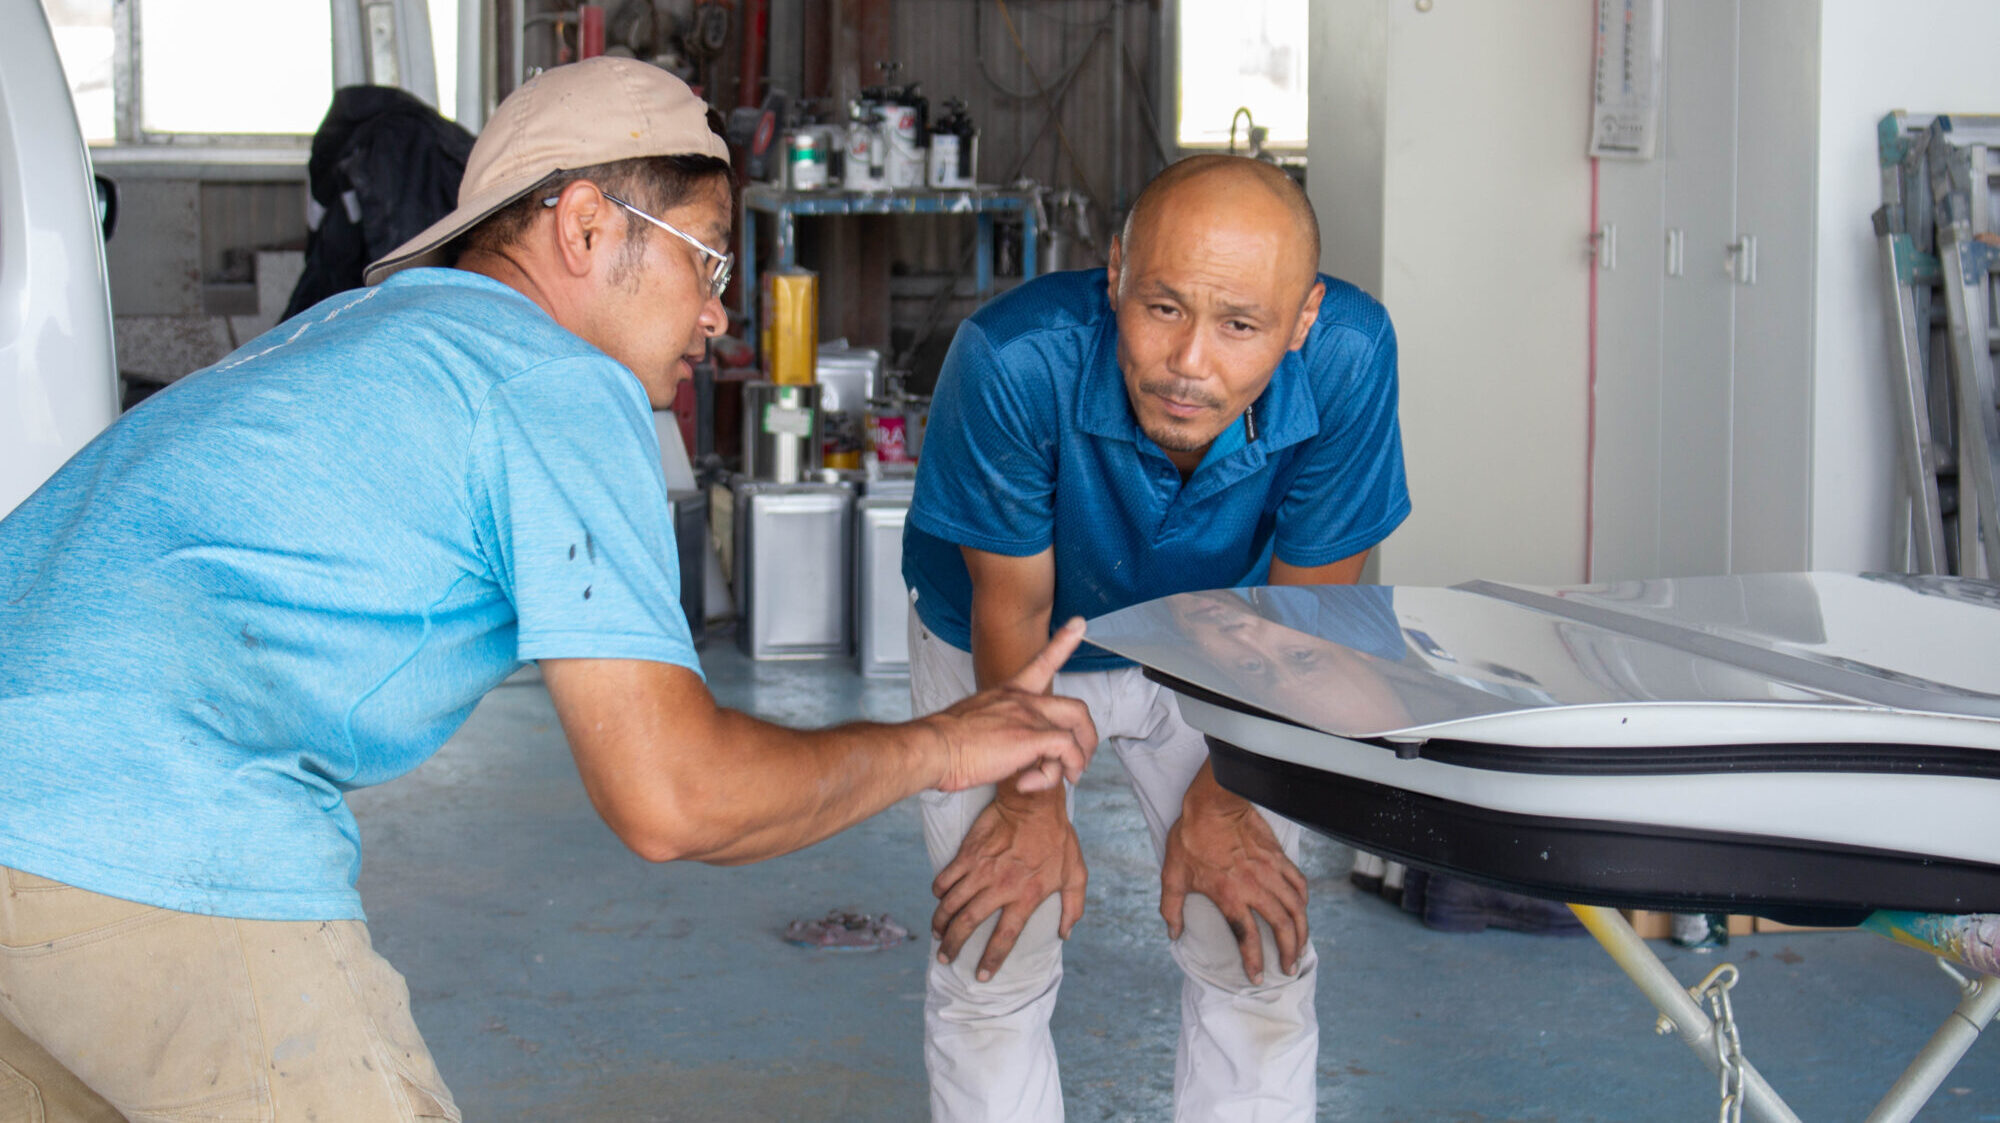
(1728, 1046)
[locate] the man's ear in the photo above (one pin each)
(1111, 267)
(1308, 315)
(581, 217)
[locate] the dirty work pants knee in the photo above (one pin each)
(1246, 1052)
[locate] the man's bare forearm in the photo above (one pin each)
(777, 790)
(1004, 639)
(752, 790)
(1006, 633)
(677, 777)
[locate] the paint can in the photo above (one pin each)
(865, 166)
(954, 140)
(903, 130)
(781, 431)
(790, 325)
(805, 160)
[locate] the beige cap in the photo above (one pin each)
(567, 117)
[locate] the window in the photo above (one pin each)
(1248, 54)
(233, 66)
(197, 69)
(87, 43)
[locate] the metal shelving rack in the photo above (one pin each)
(786, 207)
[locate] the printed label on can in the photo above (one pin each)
(787, 421)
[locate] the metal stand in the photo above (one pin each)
(1714, 1039)
(1914, 1088)
(1968, 267)
(1935, 229)
(1907, 277)
(1679, 1010)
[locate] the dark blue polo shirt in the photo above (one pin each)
(1032, 443)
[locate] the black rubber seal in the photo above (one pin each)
(1621, 865)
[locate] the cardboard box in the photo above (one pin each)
(1651, 925)
(1764, 925)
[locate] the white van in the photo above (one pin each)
(58, 373)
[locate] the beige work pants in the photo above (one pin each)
(110, 1009)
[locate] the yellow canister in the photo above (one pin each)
(790, 333)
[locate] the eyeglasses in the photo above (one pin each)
(724, 262)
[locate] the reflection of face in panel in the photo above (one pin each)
(1326, 684)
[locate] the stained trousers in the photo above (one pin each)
(115, 1010)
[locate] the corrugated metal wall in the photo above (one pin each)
(1009, 61)
(1012, 61)
(1061, 93)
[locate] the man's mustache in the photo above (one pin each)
(1180, 390)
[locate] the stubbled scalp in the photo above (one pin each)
(1242, 173)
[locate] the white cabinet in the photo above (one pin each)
(1703, 414)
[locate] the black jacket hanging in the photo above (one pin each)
(384, 166)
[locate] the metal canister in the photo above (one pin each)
(954, 148)
(781, 431)
(865, 167)
(904, 130)
(789, 335)
(805, 160)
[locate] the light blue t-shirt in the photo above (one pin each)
(293, 574)
(1032, 445)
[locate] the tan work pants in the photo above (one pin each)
(111, 1009)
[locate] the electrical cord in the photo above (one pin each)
(1052, 118)
(935, 312)
(1055, 107)
(1153, 132)
(986, 69)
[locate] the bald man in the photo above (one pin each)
(1207, 412)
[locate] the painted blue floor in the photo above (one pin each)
(556, 976)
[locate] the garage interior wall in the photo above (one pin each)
(1449, 172)
(1448, 169)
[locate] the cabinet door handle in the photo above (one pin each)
(1607, 247)
(1676, 252)
(1743, 259)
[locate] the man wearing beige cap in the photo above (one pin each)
(294, 574)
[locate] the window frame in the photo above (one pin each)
(1170, 96)
(128, 111)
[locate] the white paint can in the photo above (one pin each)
(906, 151)
(866, 166)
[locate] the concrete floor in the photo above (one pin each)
(556, 976)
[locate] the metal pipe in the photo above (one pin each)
(1162, 69)
(517, 49)
(1680, 1009)
(1914, 1088)
(1117, 109)
(416, 57)
(756, 27)
(350, 58)
(474, 45)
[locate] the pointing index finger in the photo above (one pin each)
(1041, 670)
